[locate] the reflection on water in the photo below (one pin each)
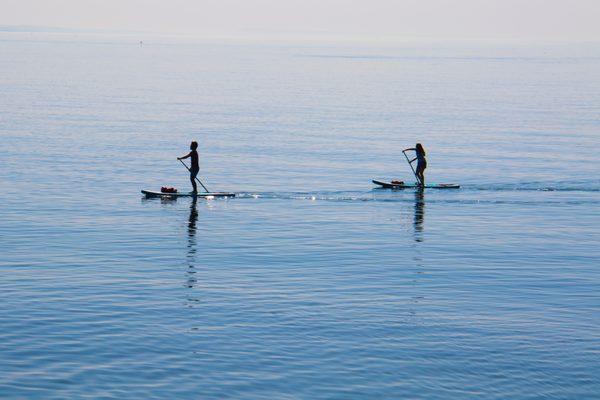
(192, 222)
(418, 221)
(191, 253)
(419, 214)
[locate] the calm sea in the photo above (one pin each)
(310, 284)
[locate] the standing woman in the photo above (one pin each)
(421, 163)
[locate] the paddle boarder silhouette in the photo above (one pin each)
(421, 162)
(195, 168)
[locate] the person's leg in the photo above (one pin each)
(419, 174)
(193, 180)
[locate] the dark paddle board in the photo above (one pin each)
(150, 193)
(389, 185)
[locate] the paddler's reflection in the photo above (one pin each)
(193, 218)
(419, 214)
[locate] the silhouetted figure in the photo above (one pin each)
(421, 162)
(195, 168)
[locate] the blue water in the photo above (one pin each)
(310, 284)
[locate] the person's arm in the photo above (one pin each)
(186, 156)
(411, 149)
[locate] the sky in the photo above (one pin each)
(398, 19)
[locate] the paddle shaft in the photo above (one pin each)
(186, 167)
(411, 167)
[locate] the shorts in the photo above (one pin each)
(194, 173)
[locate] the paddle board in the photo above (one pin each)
(389, 185)
(150, 193)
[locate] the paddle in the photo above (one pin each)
(186, 167)
(411, 167)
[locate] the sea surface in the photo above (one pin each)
(311, 283)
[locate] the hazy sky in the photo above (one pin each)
(450, 19)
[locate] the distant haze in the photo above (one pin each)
(400, 19)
